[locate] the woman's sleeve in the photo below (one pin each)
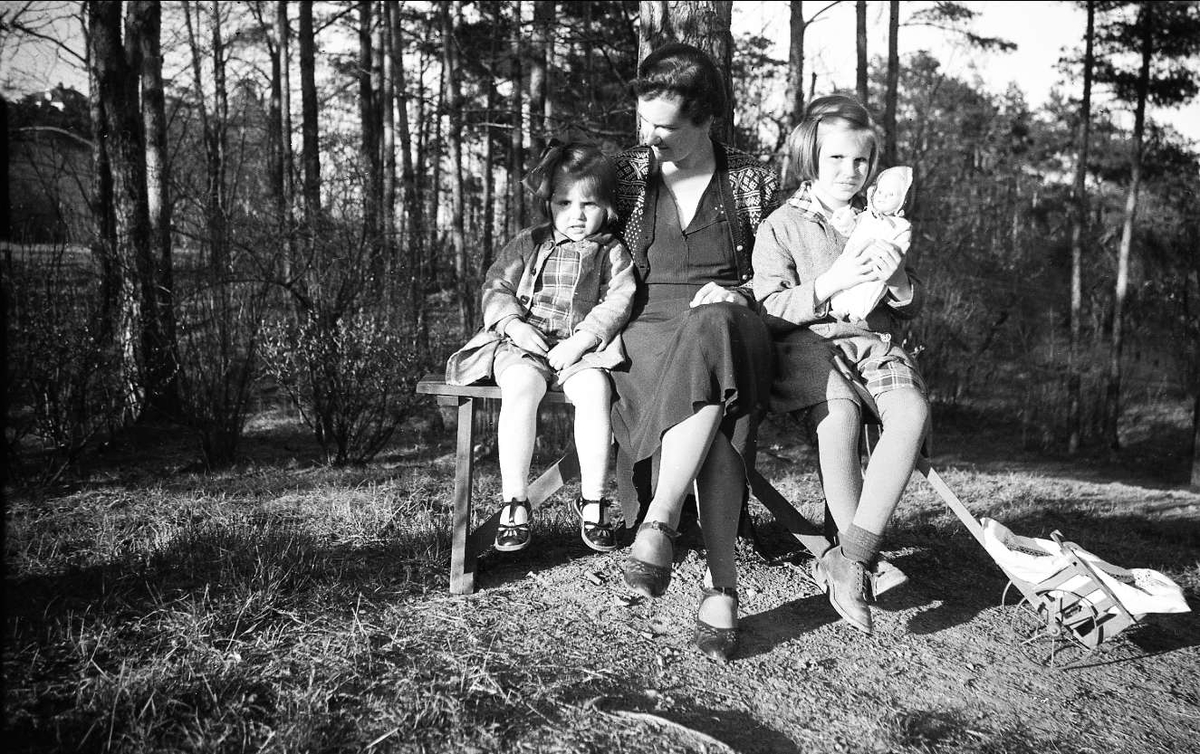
(499, 300)
(777, 279)
(618, 285)
(769, 198)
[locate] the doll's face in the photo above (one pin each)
(889, 193)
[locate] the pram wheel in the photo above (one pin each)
(1047, 627)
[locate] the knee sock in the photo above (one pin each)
(861, 545)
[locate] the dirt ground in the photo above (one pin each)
(946, 670)
(283, 606)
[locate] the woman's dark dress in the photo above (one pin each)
(682, 358)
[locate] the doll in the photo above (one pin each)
(883, 218)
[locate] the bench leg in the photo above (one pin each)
(463, 553)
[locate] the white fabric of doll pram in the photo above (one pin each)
(1140, 590)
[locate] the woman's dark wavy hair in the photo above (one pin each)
(577, 162)
(803, 149)
(687, 72)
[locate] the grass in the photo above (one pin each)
(287, 607)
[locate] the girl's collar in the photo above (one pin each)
(842, 220)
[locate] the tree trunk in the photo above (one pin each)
(1078, 230)
(893, 83)
(795, 75)
(463, 276)
(370, 139)
(212, 126)
(104, 245)
(489, 156)
(387, 107)
(218, 161)
(516, 153)
(1112, 397)
(310, 144)
(117, 82)
(428, 158)
(543, 22)
(704, 24)
(432, 150)
(410, 231)
(275, 126)
(860, 13)
(144, 26)
(287, 164)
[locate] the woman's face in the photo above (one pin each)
(575, 211)
(664, 127)
(843, 163)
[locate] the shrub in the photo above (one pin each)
(63, 365)
(218, 351)
(352, 378)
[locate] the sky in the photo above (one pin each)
(1041, 30)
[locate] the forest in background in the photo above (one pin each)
(264, 201)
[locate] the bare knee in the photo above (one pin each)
(588, 388)
(521, 384)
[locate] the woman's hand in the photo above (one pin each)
(848, 270)
(569, 351)
(712, 293)
(526, 336)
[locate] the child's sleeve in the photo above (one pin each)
(911, 308)
(499, 301)
(778, 285)
(617, 286)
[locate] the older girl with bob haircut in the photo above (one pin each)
(799, 266)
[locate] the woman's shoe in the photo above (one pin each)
(511, 537)
(597, 535)
(717, 643)
(846, 582)
(650, 579)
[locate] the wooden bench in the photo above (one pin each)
(467, 545)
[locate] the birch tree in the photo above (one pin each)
(1078, 230)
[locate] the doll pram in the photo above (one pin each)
(1063, 613)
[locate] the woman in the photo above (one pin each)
(699, 368)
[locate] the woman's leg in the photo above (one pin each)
(521, 391)
(838, 424)
(903, 413)
(591, 395)
(721, 487)
(683, 451)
